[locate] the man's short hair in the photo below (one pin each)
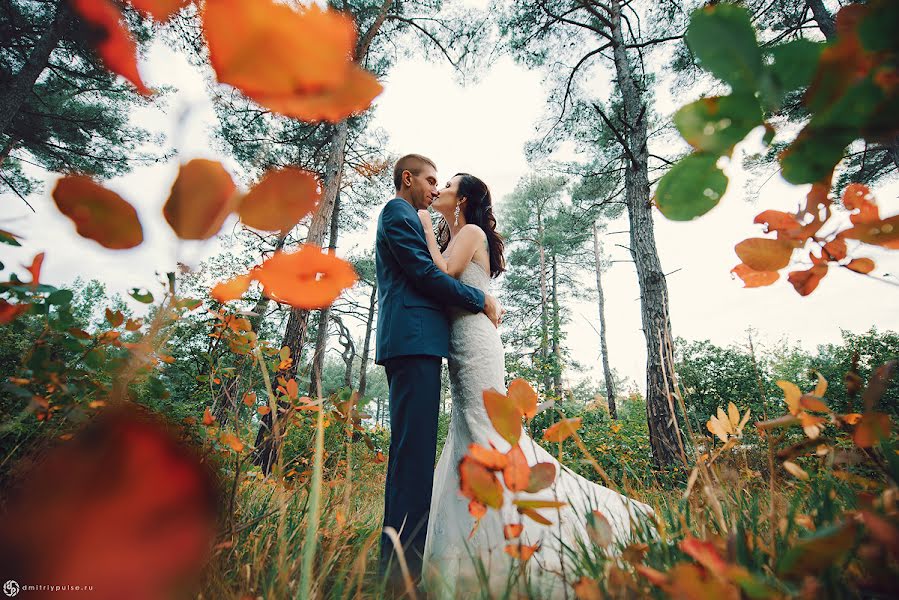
(412, 163)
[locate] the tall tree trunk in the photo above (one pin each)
(557, 333)
(263, 301)
(604, 351)
(663, 430)
(16, 91)
(324, 315)
(823, 18)
(366, 346)
(544, 308)
(298, 321)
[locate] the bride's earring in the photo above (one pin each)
(456, 213)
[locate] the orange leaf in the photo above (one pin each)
(477, 510)
(479, 483)
(503, 414)
(513, 530)
(354, 95)
(809, 402)
(233, 289)
(654, 576)
(263, 410)
(776, 220)
(805, 282)
(517, 474)
(872, 427)
(542, 476)
(266, 47)
(133, 324)
(861, 265)
(521, 552)
(530, 504)
(109, 36)
(307, 278)
(762, 254)
(99, 214)
(524, 396)
(280, 200)
(380, 458)
(599, 529)
(587, 589)
(835, 249)
(239, 324)
(9, 312)
(752, 278)
(562, 430)
(293, 389)
(249, 398)
(879, 233)
(705, 553)
(160, 10)
(35, 269)
(489, 457)
(208, 419)
(114, 318)
(533, 514)
(201, 199)
(858, 197)
(231, 440)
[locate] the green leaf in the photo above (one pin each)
(877, 30)
(60, 297)
(691, 188)
(717, 124)
(8, 238)
(141, 295)
(723, 40)
(794, 65)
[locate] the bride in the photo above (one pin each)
(473, 253)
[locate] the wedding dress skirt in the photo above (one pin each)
(451, 559)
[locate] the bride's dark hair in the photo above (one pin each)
(478, 211)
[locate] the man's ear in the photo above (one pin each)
(407, 178)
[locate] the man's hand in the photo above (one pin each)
(425, 218)
(493, 309)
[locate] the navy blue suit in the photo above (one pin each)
(412, 337)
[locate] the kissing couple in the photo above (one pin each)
(435, 302)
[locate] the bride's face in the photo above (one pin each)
(447, 198)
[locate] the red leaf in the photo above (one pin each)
(542, 476)
(835, 249)
(762, 254)
(280, 200)
(208, 419)
(752, 278)
(9, 312)
(307, 278)
(160, 10)
(110, 37)
(861, 265)
(805, 282)
(99, 214)
(562, 430)
(872, 427)
(513, 530)
(517, 474)
(489, 457)
(479, 483)
(504, 415)
(706, 554)
(201, 199)
(858, 197)
(35, 269)
(879, 233)
(776, 220)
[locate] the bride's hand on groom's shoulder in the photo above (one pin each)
(425, 218)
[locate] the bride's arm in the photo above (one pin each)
(433, 246)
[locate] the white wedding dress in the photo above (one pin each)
(476, 363)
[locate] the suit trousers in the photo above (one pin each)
(414, 386)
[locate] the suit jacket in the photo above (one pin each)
(412, 291)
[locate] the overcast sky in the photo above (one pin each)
(482, 129)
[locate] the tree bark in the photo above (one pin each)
(366, 346)
(604, 351)
(544, 309)
(16, 92)
(823, 18)
(324, 314)
(557, 333)
(663, 430)
(298, 321)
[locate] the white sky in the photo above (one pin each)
(482, 129)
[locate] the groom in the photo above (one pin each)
(412, 338)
